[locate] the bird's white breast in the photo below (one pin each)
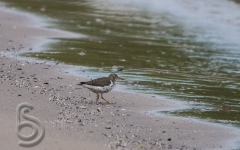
(99, 89)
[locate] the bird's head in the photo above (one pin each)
(114, 77)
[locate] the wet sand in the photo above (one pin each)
(71, 118)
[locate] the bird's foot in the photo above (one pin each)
(111, 102)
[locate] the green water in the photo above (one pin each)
(160, 54)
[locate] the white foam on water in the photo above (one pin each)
(36, 21)
(213, 21)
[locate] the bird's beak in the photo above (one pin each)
(120, 78)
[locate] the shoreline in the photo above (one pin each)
(59, 104)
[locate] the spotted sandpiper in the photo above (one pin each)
(101, 85)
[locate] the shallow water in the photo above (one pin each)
(173, 48)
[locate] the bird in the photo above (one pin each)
(101, 85)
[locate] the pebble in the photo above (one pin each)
(124, 114)
(83, 107)
(107, 127)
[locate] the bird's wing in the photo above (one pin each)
(99, 82)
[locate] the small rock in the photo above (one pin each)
(139, 146)
(124, 114)
(169, 139)
(107, 127)
(83, 107)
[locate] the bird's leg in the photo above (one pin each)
(105, 99)
(97, 97)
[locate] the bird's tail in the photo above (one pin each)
(81, 83)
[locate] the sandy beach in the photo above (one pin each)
(71, 118)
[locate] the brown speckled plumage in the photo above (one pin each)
(98, 82)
